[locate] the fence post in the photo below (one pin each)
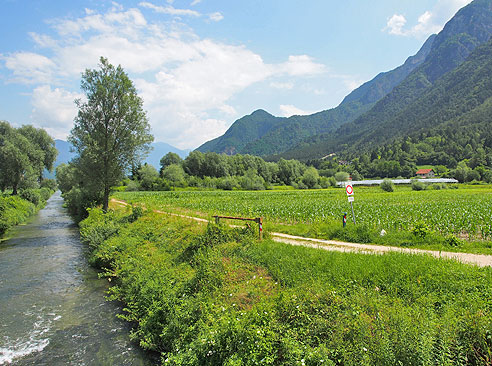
(216, 219)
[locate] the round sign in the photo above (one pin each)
(349, 189)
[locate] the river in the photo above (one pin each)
(52, 306)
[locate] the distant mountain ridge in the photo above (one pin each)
(468, 29)
(261, 133)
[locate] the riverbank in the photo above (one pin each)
(53, 307)
(15, 210)
(210, 295)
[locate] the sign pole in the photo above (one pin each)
(353, 215)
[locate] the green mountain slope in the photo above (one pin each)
(243, 131)
(262, 134)
(403, 109)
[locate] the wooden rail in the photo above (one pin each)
(258, 220)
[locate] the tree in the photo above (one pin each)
(169, 159)
(310, 177)
(16, 153)
(148, 176)
(111, 131)
(174, 173)
(342, 176)
(45, 146)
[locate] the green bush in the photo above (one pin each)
(387, 185)
(45, 193)
(32, 195)
(421, 230)
(452, 241)
(418, 185)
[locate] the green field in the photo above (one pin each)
(464, 212)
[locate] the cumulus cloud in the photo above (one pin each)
(298, 65)
(186, 82)
(395, 24)
(29, 68)
(54, 109)
(290, 110)
(431, 21)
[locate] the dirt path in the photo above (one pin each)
(480, 260)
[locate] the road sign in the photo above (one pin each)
(349, 189)
(351, 199)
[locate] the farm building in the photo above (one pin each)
(425, 173)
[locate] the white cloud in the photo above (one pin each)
(187, 83)
(54, 109)
(281, 85)
(302, 65)
(395, 24)
(216, 17)
(431, 21)
(29, 68)
(169, 10)
(290, 110)
(195, 2)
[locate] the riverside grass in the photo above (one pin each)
(454, 219)
(212, 295)
(15, 210)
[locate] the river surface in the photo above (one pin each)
(52, 306)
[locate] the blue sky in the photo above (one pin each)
(201, 64)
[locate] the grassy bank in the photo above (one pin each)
(15, 210)
(211, 295)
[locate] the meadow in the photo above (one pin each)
(460, 217)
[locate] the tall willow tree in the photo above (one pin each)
(111, 131)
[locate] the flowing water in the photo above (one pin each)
(52, 306)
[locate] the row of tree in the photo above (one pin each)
(25, 153)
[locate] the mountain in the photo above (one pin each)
(261, 133)
(394, 115)
(243, 131)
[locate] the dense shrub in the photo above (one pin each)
(31, 195)
(387, 185)
(418, 185)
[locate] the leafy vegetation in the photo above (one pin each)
(215, 296)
